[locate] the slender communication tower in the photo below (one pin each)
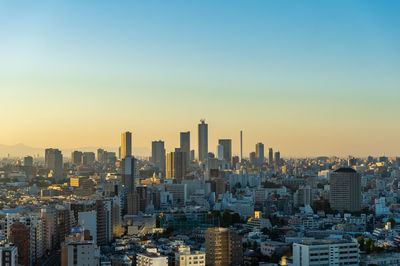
(241, 146)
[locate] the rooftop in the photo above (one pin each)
(345, 170)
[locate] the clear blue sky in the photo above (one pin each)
(306, 77)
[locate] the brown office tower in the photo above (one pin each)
(137, 201)
(63, 226)
(101, 223)
(345, 189)
(20, 236)
(223, 247)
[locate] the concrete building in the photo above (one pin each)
(88, 158)
(269, 247)
(176, 165)
(76, 157)
(220, 152)
(324, 252)
(257, 223)
(37, 246)
(54, 162)
(252, 158)
(151, 257)
(380, 207)
(260, 153)
(277, 160)
(79, 250)
(137, 201)
(203, 140)
(129, 173)
(179, 193)
(185, 146)
(158, 155)
(126, 144)
(270, 157)
(227, 144)
(142, 225)
(303, 196)
(56, 225)
(185, 257)
(20, 237)
(28, 161)
(223, 247)
(88, 220)
(345, 190)
(100, 155)
(8, 255)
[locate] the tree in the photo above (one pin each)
(361, 242)
(392, 222)
(266, 231)
(226, 219)
(254, 263)
(268, 184)
(254, 246)
(274, 258)
(369, 245)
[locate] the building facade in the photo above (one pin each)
(203, 140)
(326, 253)
(345, 190)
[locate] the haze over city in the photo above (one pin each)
(199, 133)
(309, 79)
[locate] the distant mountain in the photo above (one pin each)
(20, 150)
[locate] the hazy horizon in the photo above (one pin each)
(306, 79)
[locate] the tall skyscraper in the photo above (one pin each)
(185, 145)
(227, 143)
(101, 155)
(128, 173)
(345, 190)
(28, 161)
(203, 140)
(126, 144)
(158, 155)
(129, 176)
(260, 153)
(223, 247)
(175, 165)
(252, 157)
(271, 156)
(54, 162)
(277, 162)
(76, 157)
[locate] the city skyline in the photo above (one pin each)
(315, 79)
(145, 151)
(207, 133)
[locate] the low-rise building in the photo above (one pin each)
(185, 257)
(326, 252)
(151, 257)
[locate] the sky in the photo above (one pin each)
(307, 78)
